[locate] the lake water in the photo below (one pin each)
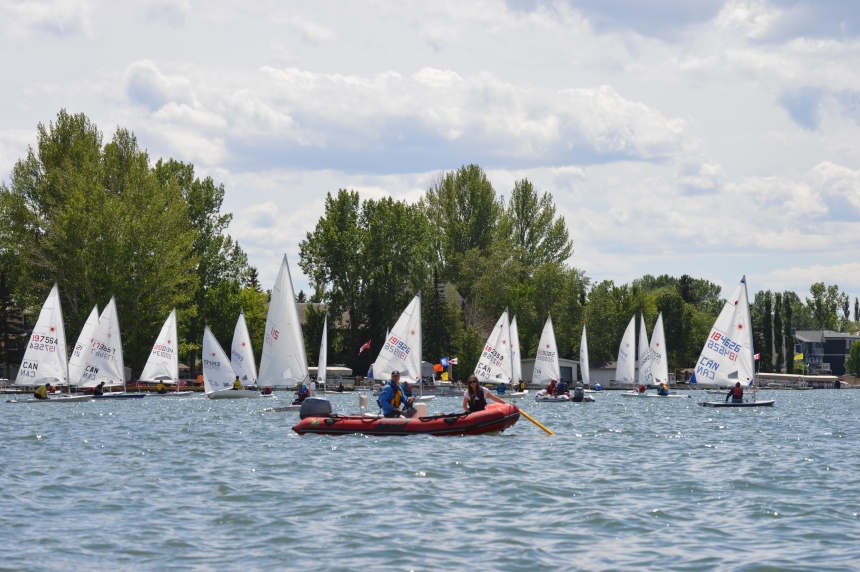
(661, 484)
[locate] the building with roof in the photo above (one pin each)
(824, 351)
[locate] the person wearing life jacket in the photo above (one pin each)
(160, 388)
(663, 389)
(578, 393)
(501, 388)
(561, 388)
(392, 397)
(550, 389)
(521, 386)
(42, 391)
(475, 396)
(99, 389)
(641, 389)
(736, 393)
(237, 385)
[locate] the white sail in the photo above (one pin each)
(646, 377)
(516, 356)
(583, 359)
(163, 362)
(284, 362)
(546, 360)
(727, 356)
(104, 360)
(82, 347)
(322, 362)
(658, 358)
(45, 358)
(495, 361)
(625, 370)
(218, 374)
(242, 353)
(402, 348)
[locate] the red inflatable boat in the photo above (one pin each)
(497, 417)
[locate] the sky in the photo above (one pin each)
(715, 138)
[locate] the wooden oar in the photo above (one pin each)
(533, 420)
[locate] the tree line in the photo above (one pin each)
(102, 219)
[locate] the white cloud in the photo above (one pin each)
(172, 13)
(58, 17)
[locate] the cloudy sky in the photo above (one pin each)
(715, 138)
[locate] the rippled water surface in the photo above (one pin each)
(173, 483)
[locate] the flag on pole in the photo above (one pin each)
(444, 376)
(443, 362)
(798, 357)
(757, 357)
(452, 361)
(437, 367)
(366, 346)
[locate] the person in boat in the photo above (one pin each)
(266, 391)
(501, 388)
(237, 385)
(561, 388)
(550, 389)
(160, 387)
(99, 389)
(42, 391)
(641, 388)
(339, 387)
(663, 389)
(521, 386)
(475, 396)
(392, 397)
(313, 387)
(578, 392)
(736, 393)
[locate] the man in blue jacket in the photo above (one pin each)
(392, 399)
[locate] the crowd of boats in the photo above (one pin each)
(96, 361)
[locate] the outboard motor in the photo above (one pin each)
(578, 393)
(315, 407)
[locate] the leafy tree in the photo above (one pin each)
(254, 279)
(824, 303)
(778, 331)
(462, 205)
(852, 364)
(439, 321)
(529, 224)
(856, 309)
(96, 220)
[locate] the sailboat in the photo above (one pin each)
(654, 368)
(218, 373)
(547, 367)
(494, 365)
(45, 358)
(322, 361)
(727, 357)
(85, 341)
(104, 362)
(284, 362)
(516, 361)
(625, 368)
(163, 362)
(584, 368)
(402, 348)
(242, 353)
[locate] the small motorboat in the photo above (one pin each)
(317, 418)
(751, 403)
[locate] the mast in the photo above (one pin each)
(752, 347)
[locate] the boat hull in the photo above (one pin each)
(72, 399)
(671, 395)
(120, 396)
(494, 419)
(234, 394)
(759, 403)
(542, 397)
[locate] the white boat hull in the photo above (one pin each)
(515, 394)
(120, 395)
(759, 403)
(646, 394)
(174, 394)
(234, 394)
(542, 397)
(66, 399)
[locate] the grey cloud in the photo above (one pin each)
(147, 86)
(835, 19)
(803, 105)
(172, 13)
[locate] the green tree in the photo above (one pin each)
(778, 332)
(463, 208)
(824, 304)
(529, 224)
(852, 364)
(98, 222)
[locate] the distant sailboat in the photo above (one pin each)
(516, 361)
(163, 362)
(625, 369)
(284, 362)
(45, 358)
(104, 362)
(82, 347)
(583, 359)
(494, 365)
(322, 362)
(242, 353)
(547, 367)
(655, 364)
(401, 350)
(218, 373)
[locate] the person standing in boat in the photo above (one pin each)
(392, 397)
(99, 389)
(475, 396)
(736, 393)
(42, 391)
